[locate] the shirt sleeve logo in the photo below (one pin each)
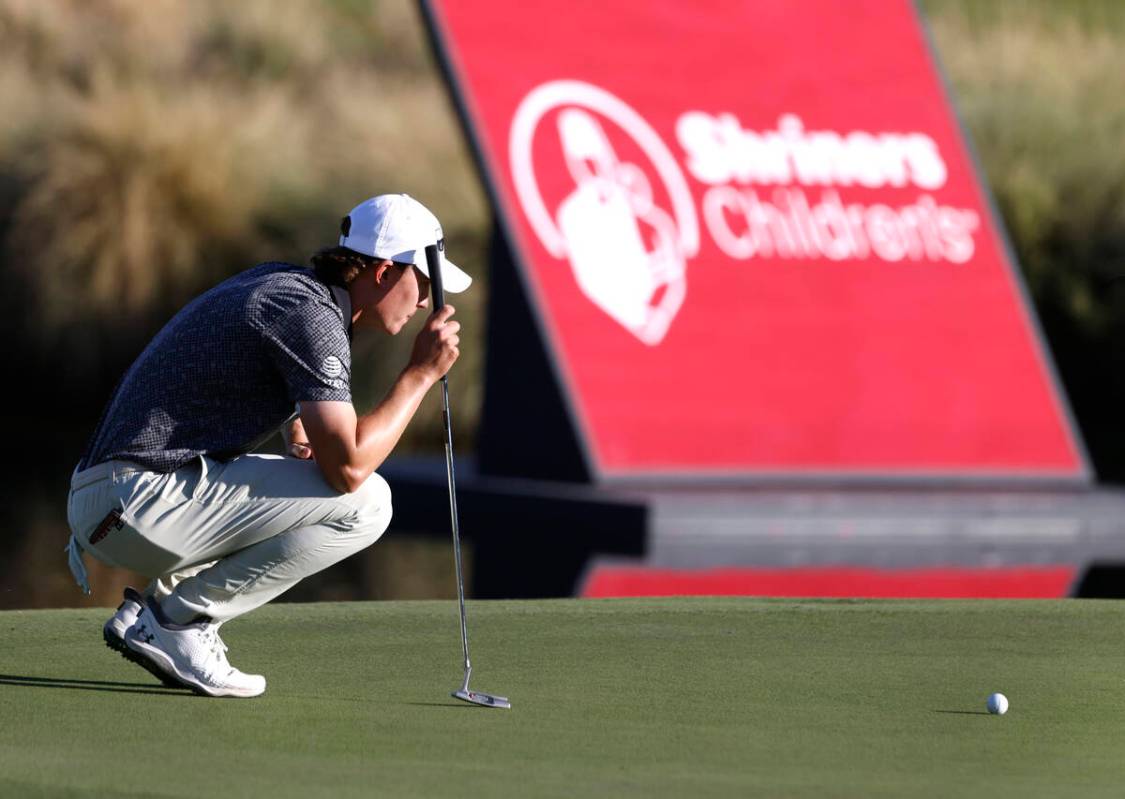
(332, 366)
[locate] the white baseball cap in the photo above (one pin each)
(398, 227)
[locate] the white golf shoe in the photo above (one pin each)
(123, 619)
(192, 654)
(119, 623)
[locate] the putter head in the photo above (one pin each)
(485, 700)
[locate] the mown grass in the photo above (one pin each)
(652, 698)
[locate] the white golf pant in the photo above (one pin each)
(220, 538)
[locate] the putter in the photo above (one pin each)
(433, 261)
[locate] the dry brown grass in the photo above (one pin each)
(161, 146)
(1040, 85)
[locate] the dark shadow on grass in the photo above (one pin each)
(92, 685)
(966, 712)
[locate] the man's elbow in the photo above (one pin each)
(342, 477)
(348, 479)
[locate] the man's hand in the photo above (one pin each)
(296, 441)
(435, 346)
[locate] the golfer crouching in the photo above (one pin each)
(167, 486)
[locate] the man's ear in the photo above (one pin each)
(380, 271)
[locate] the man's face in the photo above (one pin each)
(400, 292)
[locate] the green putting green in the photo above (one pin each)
(661, 697)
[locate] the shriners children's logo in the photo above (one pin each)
(628, 254)
(785, 192)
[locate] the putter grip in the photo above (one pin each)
(433, 263)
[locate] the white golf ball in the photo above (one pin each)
(998, 704)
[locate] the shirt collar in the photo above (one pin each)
(344, 301)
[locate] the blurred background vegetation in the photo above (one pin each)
(1040, 85)
(151, 148)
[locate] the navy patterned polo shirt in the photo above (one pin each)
(228, 369)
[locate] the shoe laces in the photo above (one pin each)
(218, 649)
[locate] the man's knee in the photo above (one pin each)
(373, 505)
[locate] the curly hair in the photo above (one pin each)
(339, 266)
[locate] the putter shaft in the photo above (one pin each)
(433, 263)
(451, 482)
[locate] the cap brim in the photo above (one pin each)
(453, 279)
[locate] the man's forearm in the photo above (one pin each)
(378, 431)
(348, 449)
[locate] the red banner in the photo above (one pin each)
(755, 238)
(935, 582)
